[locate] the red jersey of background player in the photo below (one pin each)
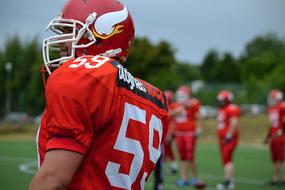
(276, 113)
(91, 99)
(185, 121)
(223, 118)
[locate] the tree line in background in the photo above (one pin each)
(260, 67)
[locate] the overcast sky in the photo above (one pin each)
(193, 27)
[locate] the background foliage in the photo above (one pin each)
(260, 67)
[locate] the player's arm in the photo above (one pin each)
(170, 133)
(57, 170)
(198, 118)
(234, 123)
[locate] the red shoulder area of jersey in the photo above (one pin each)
(98, 66)
(233, 110)
(83, 73)
(282, 105)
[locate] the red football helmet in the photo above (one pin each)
(225, 97)
(274, 97)
(183, 93)
(90, 27)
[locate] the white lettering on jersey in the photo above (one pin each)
(127, 77)
(154, 125)
(143, 180)
(132, 146)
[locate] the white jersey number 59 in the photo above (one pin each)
(132, 146)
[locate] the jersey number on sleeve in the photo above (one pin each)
(132, 146)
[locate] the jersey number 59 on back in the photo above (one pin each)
(132, 146)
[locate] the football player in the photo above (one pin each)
(276, 135)
(101, 128)
(228, 133)
(168, 150)
(188, 127)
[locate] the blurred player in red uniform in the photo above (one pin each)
(276, 135)
(228, 134)
(168, 150)
(102, 128)
(188, 126)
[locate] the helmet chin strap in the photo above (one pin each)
(89, 20)
(45, 75)
(85, 29)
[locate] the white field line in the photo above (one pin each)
(26, 167)
(29, 167)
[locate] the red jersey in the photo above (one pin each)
(223, 119)
(276, 114)
(97, 108)
(185, 121)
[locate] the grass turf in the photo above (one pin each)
(253, 167)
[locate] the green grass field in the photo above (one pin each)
(253, 167)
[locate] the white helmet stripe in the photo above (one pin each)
(104, 25)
